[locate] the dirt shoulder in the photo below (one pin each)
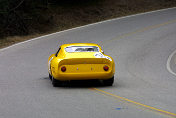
(68, 15)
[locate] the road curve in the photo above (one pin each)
(140, 45)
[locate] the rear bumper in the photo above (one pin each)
(84, 76)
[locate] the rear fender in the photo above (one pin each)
(49, 63)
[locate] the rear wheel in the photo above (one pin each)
(56, 83)
(108, 82)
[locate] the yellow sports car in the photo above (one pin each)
(80, 61)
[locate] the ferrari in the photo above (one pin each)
(80, 61)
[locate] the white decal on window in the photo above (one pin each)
(100, 55)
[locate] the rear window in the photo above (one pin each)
(82, 49)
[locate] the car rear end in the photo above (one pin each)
(85, 68)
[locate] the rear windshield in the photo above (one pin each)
(82, 49)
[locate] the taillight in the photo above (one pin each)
(106, 68)
(63, 68)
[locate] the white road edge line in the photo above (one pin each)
(85, 26)
(168, 63)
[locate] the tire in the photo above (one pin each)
(56, 83)
(50, 77)
(109, 82)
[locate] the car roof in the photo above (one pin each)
(79, 44)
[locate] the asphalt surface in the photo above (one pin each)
(140, 46)
(173, 63)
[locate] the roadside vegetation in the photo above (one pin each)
(25, 19)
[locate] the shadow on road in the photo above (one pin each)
(80, 83)
(84, 83)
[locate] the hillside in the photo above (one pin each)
(24, 19)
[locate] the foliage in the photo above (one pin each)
(17, 15)
(23, 17)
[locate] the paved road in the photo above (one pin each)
(140, 46)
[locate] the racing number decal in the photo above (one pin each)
(100, 55)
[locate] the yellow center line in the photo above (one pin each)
(128, 100)
(137, 103)
(140, 30)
